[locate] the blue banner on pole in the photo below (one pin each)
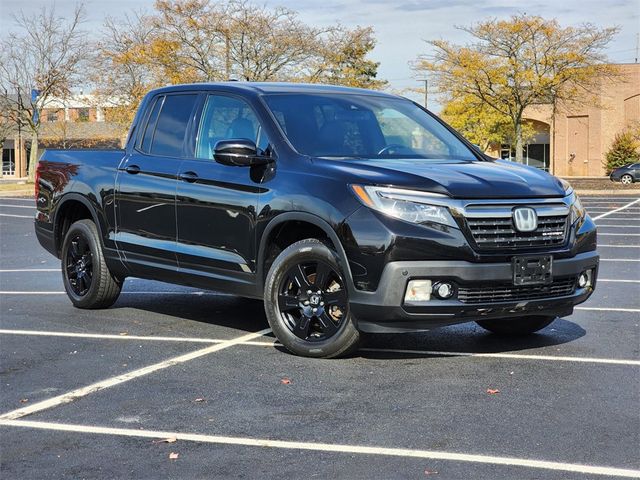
(34, 95)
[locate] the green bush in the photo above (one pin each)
(624, 150)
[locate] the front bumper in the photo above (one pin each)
(384, 310)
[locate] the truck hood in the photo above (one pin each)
(461, 179)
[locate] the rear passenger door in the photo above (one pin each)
(146, 186)
(216, 204)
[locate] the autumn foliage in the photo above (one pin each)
(186, 41)
(518, 62)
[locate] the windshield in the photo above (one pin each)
(363, 126)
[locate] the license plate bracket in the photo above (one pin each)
(535, 270)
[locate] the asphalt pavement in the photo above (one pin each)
(175, 382)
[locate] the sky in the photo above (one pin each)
(401, 26)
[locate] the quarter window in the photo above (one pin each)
(145, 143)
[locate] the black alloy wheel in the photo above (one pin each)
(306, 299)
(87, 279)
(79, 265)
(312, 300)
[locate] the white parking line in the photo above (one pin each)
(616, 280)
(616, 226)
(20, 270)
(146, 338)
(619, 234)
(619, 246)
(622, 219)
(331, 447)
(18, 206)
(61, 292)
(110, 382)
(16, 216)
(18, 199)
(620, 259)
(608, 309)
(616, 210)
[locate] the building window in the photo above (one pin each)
(83, 114)
(52, 116)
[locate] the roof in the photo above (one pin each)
(272, 87)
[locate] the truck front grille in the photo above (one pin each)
(506, 293)
(496, 233)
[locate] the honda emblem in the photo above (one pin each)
(525, 219)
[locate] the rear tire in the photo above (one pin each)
(626, 179)
(87, 279)
(518, 326)
(307, 302)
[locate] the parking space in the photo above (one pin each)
(89, 393)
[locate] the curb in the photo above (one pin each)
(17, 193)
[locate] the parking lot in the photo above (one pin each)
(179, 383)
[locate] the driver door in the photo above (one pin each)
(216, 203)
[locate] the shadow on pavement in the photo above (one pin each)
(468, 338)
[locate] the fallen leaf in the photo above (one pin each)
(122, 334)
(173, 456)
(166, 440)
(430, 472)
(493, 391)
(199, 399)
(285, 381)
(24, 400)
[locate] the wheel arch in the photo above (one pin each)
(289, 218)
(72, 206)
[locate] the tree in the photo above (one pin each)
(201, 40)
(46, 55)
(525, 60)
(624, 150)
(481, 124)
(343, 60)
(123, 68)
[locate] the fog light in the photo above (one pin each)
(418, 291)
(584, 279)
(443, 290)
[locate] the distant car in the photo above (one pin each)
(627, 174)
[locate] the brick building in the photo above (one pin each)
(76, 122)
(575, 140)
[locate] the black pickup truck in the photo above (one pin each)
(346, 210)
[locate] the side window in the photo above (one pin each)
(226, 118)
(171, 126)
(145, 142)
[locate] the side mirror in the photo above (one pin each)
(238, 152)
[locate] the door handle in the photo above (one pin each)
(188, 176)
(132, 169)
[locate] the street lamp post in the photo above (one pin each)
(426, 91)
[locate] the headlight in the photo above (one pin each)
(577, 210)
(408, 205)
(568, 189)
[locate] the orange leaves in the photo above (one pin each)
(493, 391)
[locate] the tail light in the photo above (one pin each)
(37, 183)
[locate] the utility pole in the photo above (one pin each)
(426, 91)
(637, 45)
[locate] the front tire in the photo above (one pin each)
(516, 327)
(626, 179)
(307, 302)
(86, 277)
